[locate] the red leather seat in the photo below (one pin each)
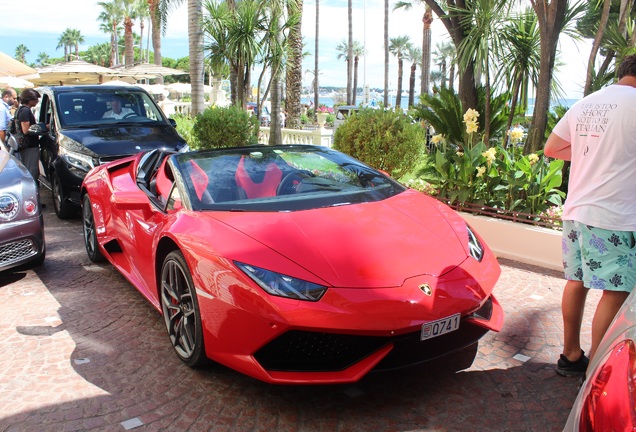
(163, 182)
(248, 173)
(199, 179)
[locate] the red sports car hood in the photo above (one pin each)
(378, 244)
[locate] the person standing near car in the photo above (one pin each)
(28, 144)
(598, 136)
(8, 97)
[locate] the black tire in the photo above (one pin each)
(180, 309)
(90, 234)
(63, 210)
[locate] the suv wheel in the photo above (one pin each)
(63, 210)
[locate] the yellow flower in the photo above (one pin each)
(480, 171)
(471, 126)
(470, 115)
(533, 158)
(436, 139)
(460, 153)
(490, 155)
(516, 134)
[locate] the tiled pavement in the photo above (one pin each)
(80, 349)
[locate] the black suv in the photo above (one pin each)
(82, 132)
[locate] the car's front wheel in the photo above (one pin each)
(63, 210)
(181, 310)
(90, 235)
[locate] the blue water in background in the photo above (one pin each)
(329, 101)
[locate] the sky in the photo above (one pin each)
(45, 21)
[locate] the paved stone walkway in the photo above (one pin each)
(82, 350)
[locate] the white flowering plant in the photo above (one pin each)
(495, 176)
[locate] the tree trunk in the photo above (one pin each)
(412, 85)
(386, 53)
(398, 96)
(294, 73)
(356, 61)
(129, 51)
(550, 17)
(426, 52)
(156, 35)
(195, 47)
(275, 133)
(350, 53)
(453, 24)
(595, 47)
(317, 46)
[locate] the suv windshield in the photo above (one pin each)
(100, 107)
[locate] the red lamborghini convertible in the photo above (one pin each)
(291, 264)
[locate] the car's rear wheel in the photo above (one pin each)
(63, 210)
(181, 310)
(90, 235)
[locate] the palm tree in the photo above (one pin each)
(552, 18)
(294, 67)
(427, 20)
(399, 47)
(521, 59)
(111, 16)
(386, 53)
(482, 45)
(20, 53)
(458, 32)
(195, 48)
(74, 39)
(445, 57)
(316, 69)
(65, 42)
(143, 13)
(414, 56)
(349, 51)
(343, 52)
(130, 12)
(358, 51)
(43, 59)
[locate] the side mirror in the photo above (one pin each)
(173, 122)
(37, 129)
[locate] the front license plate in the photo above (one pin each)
(441, 326)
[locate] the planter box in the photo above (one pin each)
(519, 242)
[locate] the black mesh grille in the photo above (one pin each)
(16, 251)
(303, 351)
(316, 352)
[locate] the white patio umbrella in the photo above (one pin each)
(10, 67)
(15, 82)
(73, 72)
(148, 70)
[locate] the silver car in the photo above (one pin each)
(607, 398)
(21, 222)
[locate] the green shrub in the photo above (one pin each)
(225, 127)
(385, 140)
(185, 128)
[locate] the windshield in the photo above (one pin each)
(279, 178)
(95, 107)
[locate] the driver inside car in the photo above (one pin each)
(117, 111)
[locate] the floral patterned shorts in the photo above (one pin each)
(601, 258)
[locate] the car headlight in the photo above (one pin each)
(475, 247)
(281, 285)
(76, 160)
(9, 207)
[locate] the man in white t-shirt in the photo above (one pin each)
(598, 136)
(116, 111)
